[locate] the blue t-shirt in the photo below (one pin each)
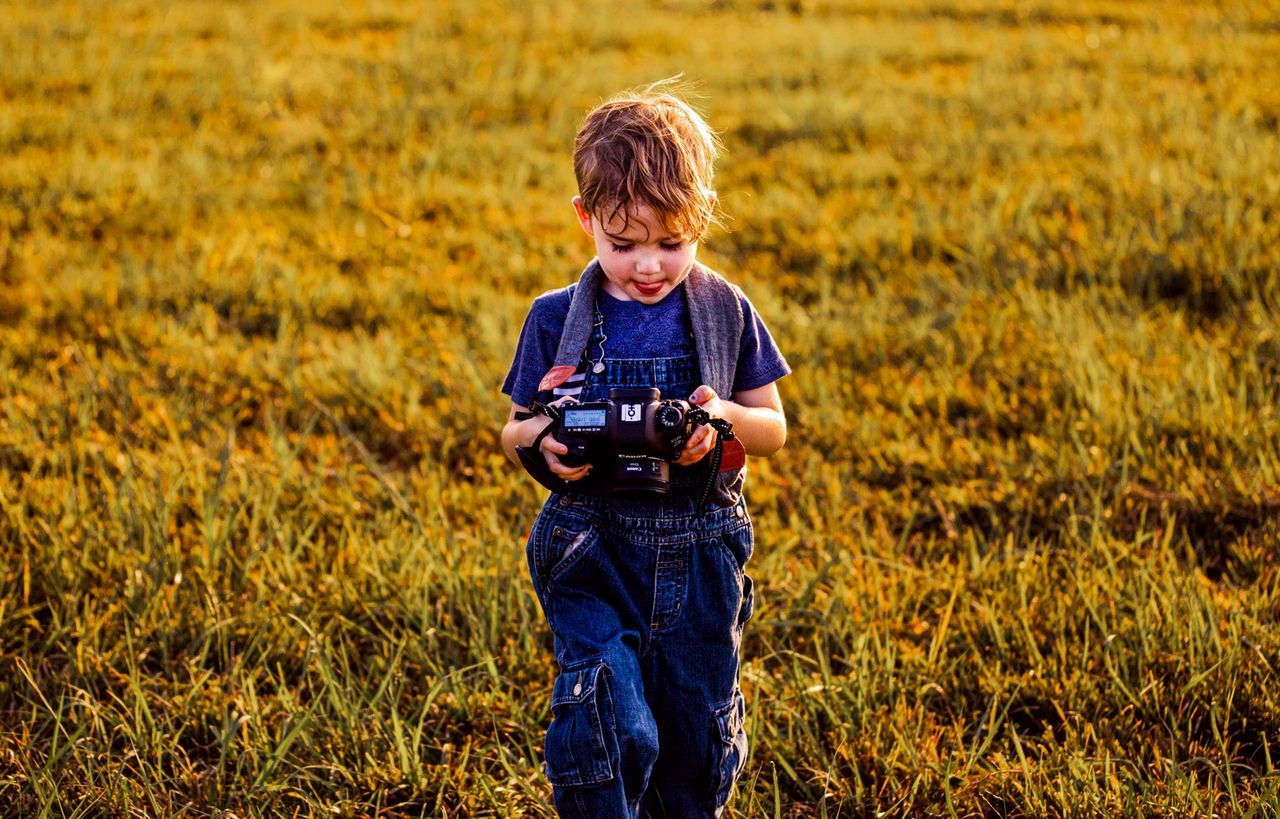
(635, 330)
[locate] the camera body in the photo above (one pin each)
(633, 433)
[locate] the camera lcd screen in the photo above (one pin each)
(584, 418)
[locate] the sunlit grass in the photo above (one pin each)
(262, 268)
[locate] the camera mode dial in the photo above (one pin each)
(670, 416)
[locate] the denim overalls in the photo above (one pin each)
(646, 601)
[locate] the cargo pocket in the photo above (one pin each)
(582, 728)
(729, 736)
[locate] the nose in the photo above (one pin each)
(648, 263)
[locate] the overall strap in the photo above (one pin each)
(715, 312)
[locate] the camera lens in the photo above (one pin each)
(639, 477)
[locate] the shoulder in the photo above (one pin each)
(752, 317)
(730, 291)
(552, 301)
(723, 292)
(550, 308)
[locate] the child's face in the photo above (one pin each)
(641, 261)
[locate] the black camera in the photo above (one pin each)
(634, 433)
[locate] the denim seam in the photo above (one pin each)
(678, 581)
(664, 539)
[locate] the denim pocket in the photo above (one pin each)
(566, 544)
(582, 728)
(748, 606)
(560, 539)
(740, 541)
(729, 738)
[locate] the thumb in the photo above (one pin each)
(702, 394)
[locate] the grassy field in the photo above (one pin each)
(262, 267)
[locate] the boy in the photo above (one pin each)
(646, 596)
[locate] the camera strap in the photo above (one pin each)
(538, 408)
(531, 456)
(725, 429)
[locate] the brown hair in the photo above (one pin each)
(648, 147)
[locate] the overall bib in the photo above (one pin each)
(646, 601)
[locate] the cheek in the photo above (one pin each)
(677, 262)
(614, 267)
(610, 259)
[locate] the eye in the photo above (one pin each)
(672, 245)
(620, 248)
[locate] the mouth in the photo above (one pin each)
(649, 289)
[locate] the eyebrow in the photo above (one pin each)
(619, 238)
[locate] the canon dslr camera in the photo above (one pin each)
(634, 434)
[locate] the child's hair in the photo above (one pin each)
(648, 147)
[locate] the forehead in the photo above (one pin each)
(636, 221)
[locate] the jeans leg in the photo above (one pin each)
(692, 677)
(603, 740)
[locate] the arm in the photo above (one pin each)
(757, 417)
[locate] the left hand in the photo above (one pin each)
(703, 439)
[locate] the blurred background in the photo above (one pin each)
(262, 269)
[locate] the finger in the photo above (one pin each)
(704, 443)
(697, 437)
(702, 395)
(564, 470)
(695, 448)
(706, 438)
(550, 444)
(691, 457)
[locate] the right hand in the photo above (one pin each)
(553, 449)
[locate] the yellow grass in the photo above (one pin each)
(262, 267)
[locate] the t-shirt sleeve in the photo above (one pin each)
(536, 349)
(760, 362)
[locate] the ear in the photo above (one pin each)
(584, 218)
